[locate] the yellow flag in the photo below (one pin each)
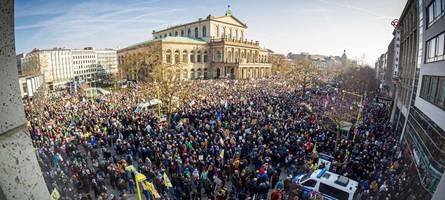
(55, 194)
(167, 182)
(150, 187)
(221, 155)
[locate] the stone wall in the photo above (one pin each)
(20, 174)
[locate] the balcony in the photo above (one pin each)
(228, 41)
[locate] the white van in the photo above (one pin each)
(332, 186)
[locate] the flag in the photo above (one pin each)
(314, 151)
(167, 182)
(55, 195)
(221, 154)
(150, 187)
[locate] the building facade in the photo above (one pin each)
(59, 67)
(30, 78)
(426, 123)
(84, 64)
(420, 101)
(408, 27)
(56, 66)
(106, 61)
(210, 48)
(380, 70)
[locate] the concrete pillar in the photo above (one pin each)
(20, 175)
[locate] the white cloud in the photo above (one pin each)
(91, 23)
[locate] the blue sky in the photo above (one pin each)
(362, 27)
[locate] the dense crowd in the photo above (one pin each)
(232, 140)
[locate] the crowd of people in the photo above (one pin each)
(233, 140)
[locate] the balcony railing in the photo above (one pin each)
(251, 42)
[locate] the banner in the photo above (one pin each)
(221, 154)
(167, 182)
(55, 194)
(150, 187)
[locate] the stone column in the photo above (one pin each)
(20, 175)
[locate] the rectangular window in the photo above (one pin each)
(433, 90)
(440, 99)
(435, 49)
(435, 11)
(440, 46)
(333, 192)
(430, 14)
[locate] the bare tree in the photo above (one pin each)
(280, 64)
(342, 115)
(304, 74)
(169, 85)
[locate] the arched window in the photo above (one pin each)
(242, 35)
(223, 35)
(204, 31)
(236, 34)
(165, 35)
(182, 33)
(177, 56)
(192, 74)
(205, 73)
(189, 33)
(192, 57)
(229, 56)
(218, 73)
(169, 34)
(199, 57)
(199, 74)
(184, 74)
(218, 56)
(206, 59)
(236, 56)
(217, 31)
(230, 34)
(177, 73)
(185, 56)
(196, 32)
(168, 56)
(176, 33)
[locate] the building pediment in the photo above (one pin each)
(230, 20)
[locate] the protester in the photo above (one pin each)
(234, 140)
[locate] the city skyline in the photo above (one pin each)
(286, 26)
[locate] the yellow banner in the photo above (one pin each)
(167, 182)
(150, 187)
(55, 195)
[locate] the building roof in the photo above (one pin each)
(210, 17)
(168, 39)
(183, 40)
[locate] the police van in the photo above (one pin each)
(330, 185)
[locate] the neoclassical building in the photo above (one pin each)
(210, 48)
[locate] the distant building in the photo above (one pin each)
(85, 64)
(56, 65)
(322, 61)
(380, 70)
(106, 61)
(29, 75)
(61, 67)
(210, 48)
